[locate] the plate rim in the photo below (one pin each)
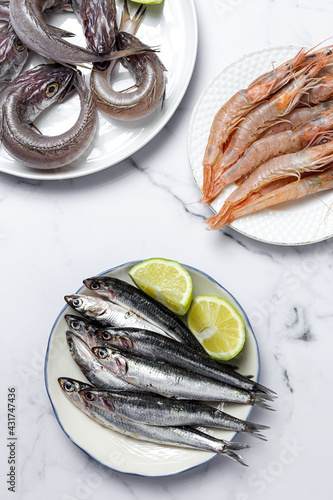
(51, 175)
(120, 266)
(192, 119)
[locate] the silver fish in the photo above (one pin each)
(147, 69)
(106, 313)
(172, 381)
(83, 329)
(90, 366)
(30, 26)
(128, 296)
(174, 436)
(158, 347)
(153, 409)
(26, 98)
(13, 53)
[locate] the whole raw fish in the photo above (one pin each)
(174, 436)
(172, 381)
(107, 313)
(128, 296)
(153, 409)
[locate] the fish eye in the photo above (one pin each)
(76, 324)
(90, 396)
(94, 285)
(19, 45)
(106, 336)
(76, 302)
(69, 387)
(52, 89)
(70, 343)
(102, 353)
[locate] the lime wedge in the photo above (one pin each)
(166, 281)
(217, 325)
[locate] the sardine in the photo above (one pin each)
(153, 409)
(128, 296)
(27, 20)
(172, 381)
(158, 347)
(146, 69)
(83, 329)
(26, 98)
(174, 436)
(92, 369)
(107, 313)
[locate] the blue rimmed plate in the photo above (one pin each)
(122, 453)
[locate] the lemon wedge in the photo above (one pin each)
(166, 281)
(217, 325)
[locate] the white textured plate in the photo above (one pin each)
(122, 453)
(171, 26)
(299, 222)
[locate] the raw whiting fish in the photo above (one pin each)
(93, 370)
(26, 97)
(128, 296)
(153, 409)
(174, 436)
(29, 24)
(158, 347)
(13, 53)
(172, 381)
(107, 313)
(146, 68)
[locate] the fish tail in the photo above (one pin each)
(229, 450)
(264, 390)
(255, 428)
(260, 399)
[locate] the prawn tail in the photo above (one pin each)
(221, 219)
(254, 430)
(229, 449)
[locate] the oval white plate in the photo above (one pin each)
(299, 222)
(171, 26)
(122, 453)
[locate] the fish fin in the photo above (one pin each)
(35, 129)
(265, 390)
(60, 32)
(254, 428)
(229, 450)
(260, 399)
(131, 52)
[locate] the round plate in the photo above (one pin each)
(122, 453)
(299, 222)
(170, 26)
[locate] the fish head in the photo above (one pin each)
(96, 397)
(13, 53)
(84, 329)
(104, 286)
(72, 388)
(114, 339)
(42, 86)
(80, 352)
(85, 304)
(111, 359)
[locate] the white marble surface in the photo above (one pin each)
(53, 234)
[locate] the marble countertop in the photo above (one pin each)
(54, 233)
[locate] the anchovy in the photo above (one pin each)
(107, 313)
(147, 70)
(26, 98)
(153, 409)
(174, 436)
(27, 20)
(92, 369)
(172, 381)
(158, 347)
(83, 329)
(128, 296)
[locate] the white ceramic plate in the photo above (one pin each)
(172, 26)
(299, 222)
(122, 453)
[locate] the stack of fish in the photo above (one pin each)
(26, 30)
(150, 376)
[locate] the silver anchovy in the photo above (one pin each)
(83, 329)
(30, 26)
(159, 347)
(153, 409)
(92, 369)
(107, 313)
(172, 381)
(128, 296)
(174, 436)
(26, 97)
(147, 70)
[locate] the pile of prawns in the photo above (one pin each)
(273, 139)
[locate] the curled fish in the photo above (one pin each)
(146, 68)
(28, 95)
